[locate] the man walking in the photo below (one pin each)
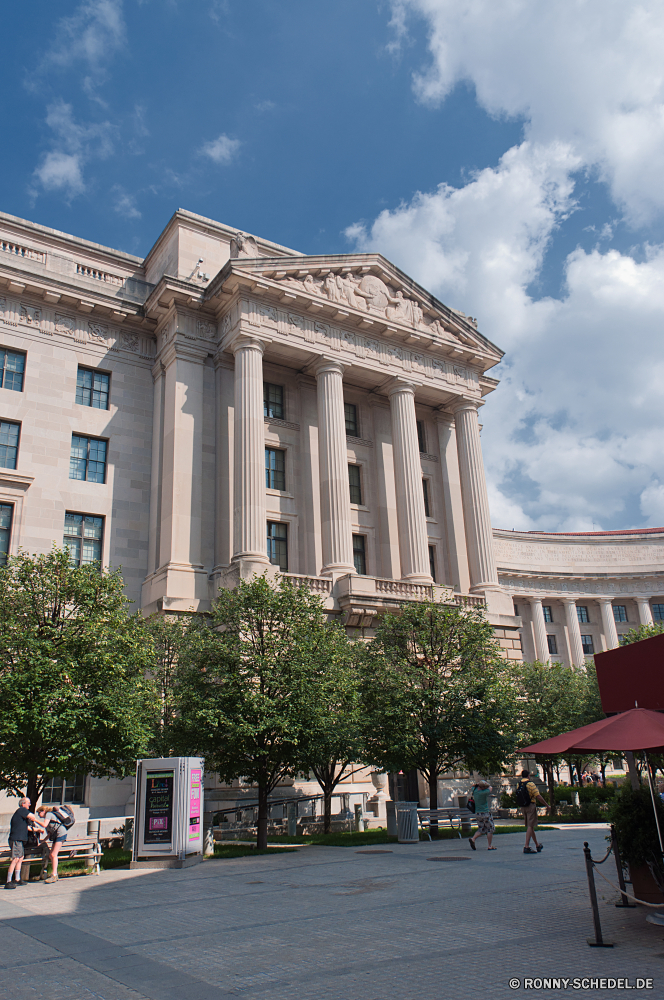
(527, 797)
(18, 838)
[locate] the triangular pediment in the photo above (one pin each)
(367, 290)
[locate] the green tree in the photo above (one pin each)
(249, 698)
(552, 699)
(334, 740)
(73, 692)
(173, 638)
(434, 694)
(642, 632)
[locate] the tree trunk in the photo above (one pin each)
(327, 809)
(552, 787)
(33, 790)
(433, 800)
(261, 839)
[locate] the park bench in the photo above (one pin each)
(74, 849)
(457, 818)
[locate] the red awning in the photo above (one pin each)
(637, 729)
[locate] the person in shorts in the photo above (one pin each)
(18, 838)
(485, 824)
(56, 833)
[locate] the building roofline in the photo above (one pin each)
(57, 234)
(585, 534)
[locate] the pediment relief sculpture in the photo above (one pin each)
(369, 293)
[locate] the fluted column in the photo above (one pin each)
(643, 608)
(574, 632)
(479, 537)
(452, 503)
(333, 463)
(539, 625)
(249, 517)
(608, 622)
(411, 518)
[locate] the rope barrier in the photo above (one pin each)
(623, 892)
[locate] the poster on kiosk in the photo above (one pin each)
(168, 825)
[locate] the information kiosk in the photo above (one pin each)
(168, 823)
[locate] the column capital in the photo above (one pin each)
(401, 385)
(443, 417)
(603, 600)
(322, 365)
(568, 600)
(246, 342)
(465, 404)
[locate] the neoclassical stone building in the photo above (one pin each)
(228, 406)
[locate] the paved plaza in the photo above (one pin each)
(329, 923)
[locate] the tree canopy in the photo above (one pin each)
(74, 696)
(435, 695)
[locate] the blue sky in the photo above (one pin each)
(507, 155)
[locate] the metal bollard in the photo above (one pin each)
(93, 828)
(624, 901)
(598, 941)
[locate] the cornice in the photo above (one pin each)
(15, 480)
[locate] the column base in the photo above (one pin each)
(246, 567)
(498, 601)
(335, 570)
(424, 579)
(176, 587)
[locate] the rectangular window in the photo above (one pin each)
(582, 614)
(355, 484)
(421, 439)
(350, 412)
(425, 490)
(273, 400)
(658, 612)
(277, 545)
(359, 555)
(587, 643)
(548, 616)
(60, 790)
(12, 367)
(619, 613)
(92, 388)
(8, 444)
(552, 644)
(6, 511)
(275, 469)
(432, 562)
(83, 536)
(88, 459)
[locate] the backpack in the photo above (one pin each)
(64, 815)
(470, 804)
(523, 795)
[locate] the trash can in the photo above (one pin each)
(407, 831)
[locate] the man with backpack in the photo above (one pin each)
(527, 798)
(57, 820)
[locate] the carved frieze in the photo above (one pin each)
(98, 332)
(205, 328)
(30, 315)
(65, 324)
(128, 341)
(589, 587)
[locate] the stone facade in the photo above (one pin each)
(577, 593)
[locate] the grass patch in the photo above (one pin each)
(225, 850)
(380, 837)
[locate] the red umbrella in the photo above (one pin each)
(636, 729)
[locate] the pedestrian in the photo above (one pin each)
(485, 824)
(529, 788)
(660, 789)
(56, 832)
(18, 838)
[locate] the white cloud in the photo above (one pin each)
(585, 74)
(222, 150)
(61, 172)
(89, 37)
(74, 145)
(125, 204)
